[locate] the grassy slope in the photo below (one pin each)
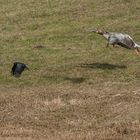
(76, 88)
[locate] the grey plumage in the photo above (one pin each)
(114, 38)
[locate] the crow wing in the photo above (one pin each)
(13, 68)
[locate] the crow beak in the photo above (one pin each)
(27, 68)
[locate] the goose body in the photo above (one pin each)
(123, 40)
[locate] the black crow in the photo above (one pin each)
(18, 68)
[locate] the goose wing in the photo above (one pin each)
(126, 42)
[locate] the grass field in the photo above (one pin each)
(76, 88)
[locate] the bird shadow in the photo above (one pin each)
(103, 66)
(76, 80)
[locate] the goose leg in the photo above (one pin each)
(114, 46)
(107, 45)
(137, 51)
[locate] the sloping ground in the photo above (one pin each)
(75, 88)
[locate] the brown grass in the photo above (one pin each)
(70, 112)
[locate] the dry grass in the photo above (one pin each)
(76, 88)
(70, 112)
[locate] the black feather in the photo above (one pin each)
(18, 68)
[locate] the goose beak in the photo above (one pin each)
(91, 30)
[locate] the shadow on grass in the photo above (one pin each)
(75, 80)
(103, 66)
